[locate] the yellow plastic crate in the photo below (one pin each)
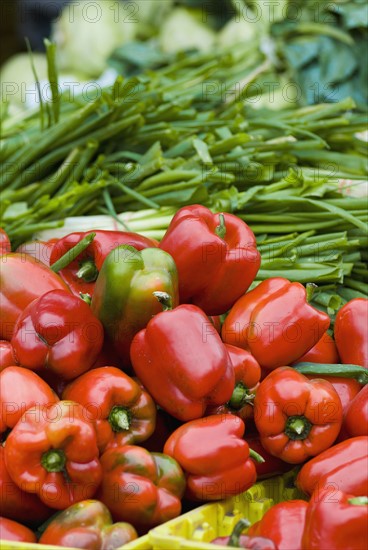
(195, 529)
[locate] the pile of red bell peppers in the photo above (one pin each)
(138, 376)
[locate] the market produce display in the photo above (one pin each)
(184, 289)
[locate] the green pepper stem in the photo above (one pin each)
(240, 397)
(73, 253)
(358, 501)
(256, 456)
(119, 419)
(221, 228)
(54, 460)
(86, 297)
(234, 539)
(87, 271)
(297, 427)
(164, 298)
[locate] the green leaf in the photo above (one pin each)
(337, 60)
(353, 14)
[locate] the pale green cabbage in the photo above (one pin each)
(87, 32)
(182, 30)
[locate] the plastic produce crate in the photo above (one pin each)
(195, 529)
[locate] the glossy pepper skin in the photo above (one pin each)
(214, 456)
(351, 332)
(237, 540)
(296, 418)
(284, 524)
(216, 256)
(356, 414)
(123, 298)
(5, 246)
(325, 351)
(21, 389)
(7, 358)
(22, 280)
(336, 520)
(247, 375)
(12, 530)
(140, 487)
(122, 412)
(82, 272)
(87, 524)
(346, 388)
(53, 452)
(343, 465)
(275, 323)
(60, 332)
(17, 504)
(180, 358)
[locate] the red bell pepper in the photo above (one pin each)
(346, 388)
(356, 414)
(216, 256)
(12, 530)
(344, 465)
(17, 504)
(5, 246)
(22, 280)
(7, 357)
(60, 332)
(346, 379)
(87, 524)
(351, 332)
(40, 250)
(247, 375)
(283, 523)
(336, 520)
(180, 358)
(81, 273)
(275, 323)
(121, 411)
(52, 452)
(237, 540)
(140, 487)
(21, 389)
(214, 455)
(296, 418)
(325, 351)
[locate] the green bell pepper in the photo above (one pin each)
(125, 299)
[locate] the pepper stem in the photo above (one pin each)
(358, 501)
(234, 539)
(86, 298)
(53, 460)
(240, 397)
(164, 298)
(297, 427)
(72, 253)
(256, 456)
(119, 419)
(87, 271)
(220, 229)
